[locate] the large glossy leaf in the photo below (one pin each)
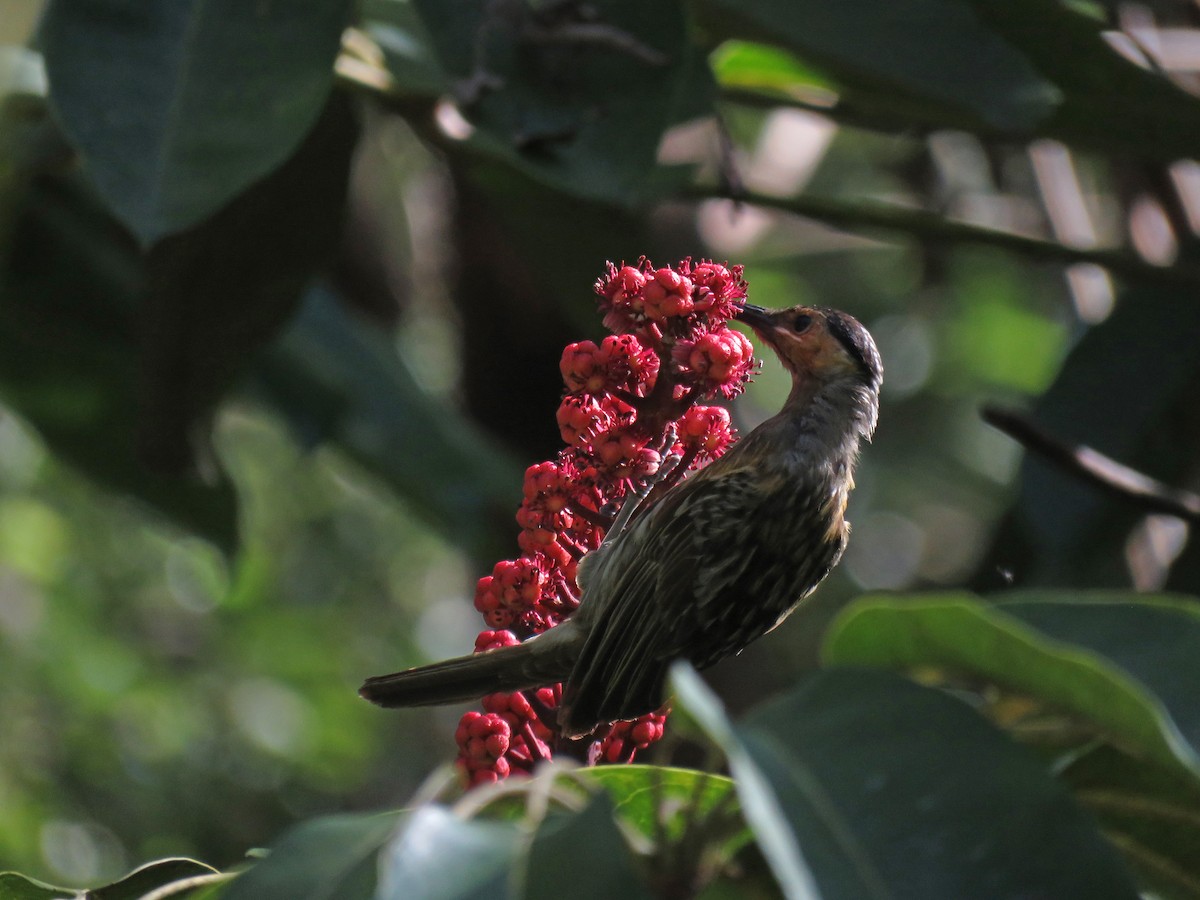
(1126, 663)
(333, 858)
(577, 102)
(895, 790)
(179, 106)
(217, 292)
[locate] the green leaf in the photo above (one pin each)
(149, 877)
(578, 104)
(935, 56)
(15, 886)
(198, 99)
(333, 858)
(1152, 815)
(218, 291)
(1125, 662)
(744, 64)
(895, 790)
(435, 855)
(581, 855)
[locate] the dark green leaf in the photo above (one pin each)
(581, 855)
(179, 106)
(1127, 663)
(578, 103)
(14, 886)
(895, 790)
(221, 289)
(149, 877)
(1151, 814)
(438, 856)
(324, 859)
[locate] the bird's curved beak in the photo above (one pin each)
(756, 317)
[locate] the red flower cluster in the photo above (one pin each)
(630, 408)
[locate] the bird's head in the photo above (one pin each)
(827, 351)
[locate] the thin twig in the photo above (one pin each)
(919, 223)
(1094, 467)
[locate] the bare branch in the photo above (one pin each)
(1094, 467)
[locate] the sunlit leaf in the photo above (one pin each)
(1126, 663)
(761, 67)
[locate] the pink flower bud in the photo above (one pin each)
(581, 368)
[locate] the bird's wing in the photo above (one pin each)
(673, 565)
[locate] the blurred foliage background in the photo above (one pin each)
(265, 421)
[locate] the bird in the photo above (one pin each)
(719, 560)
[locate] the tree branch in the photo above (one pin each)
(1094, 467)
(919, 223)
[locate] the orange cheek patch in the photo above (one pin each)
(817, 352)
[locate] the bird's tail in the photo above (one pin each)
(532, 664)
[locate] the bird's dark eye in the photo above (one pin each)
(800, 325)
